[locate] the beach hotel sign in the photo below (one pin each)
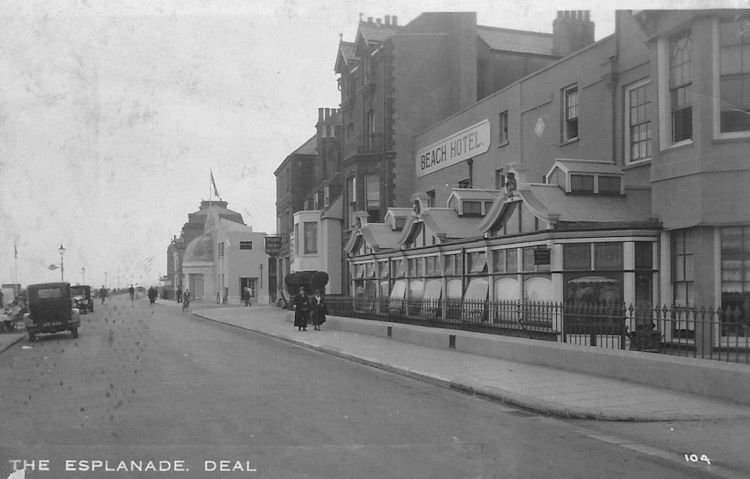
(460, 146)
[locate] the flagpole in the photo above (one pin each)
(210, 193)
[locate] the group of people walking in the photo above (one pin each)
(309, 309)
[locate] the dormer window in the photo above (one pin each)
(581, 183)
(586, 177)
(609, 185)
(473, 208)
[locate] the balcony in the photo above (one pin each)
(372, 143)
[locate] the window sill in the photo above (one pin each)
(505, 143)
(731, 138)
(678, 146)
(568, 142)
(637, 164)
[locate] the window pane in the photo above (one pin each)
(608, 256)
(577, 256)
(582, 183)
(609, 184)
(499, 258)
(311, 238)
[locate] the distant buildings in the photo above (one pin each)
(217, 256)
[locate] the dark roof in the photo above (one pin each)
(506, 39)
(344, 56)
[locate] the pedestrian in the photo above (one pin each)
(103, 293)
(131, 290)
(246, 294)
(179, 294)
(301, 310)
(318, 310)
(186, 299)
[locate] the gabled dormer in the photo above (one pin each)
(396, 217)
(586, 177)
(470, 202)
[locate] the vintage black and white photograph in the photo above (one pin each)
(374, 239)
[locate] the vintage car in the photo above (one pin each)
(82, 298)
(50, 310)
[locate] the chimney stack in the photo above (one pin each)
(394, 20)
(387, 19)
(369, 20)
(320, 115)
(571, 31)
(378, 21)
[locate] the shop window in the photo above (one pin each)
(383, 269)
(478, 262)
(643, 255)
(529, 265)
(570, 114)
(637, 123)
(608, 256)
(734, 75)
(577, 257)
(680, 82)
(682, 267)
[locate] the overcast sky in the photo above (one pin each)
(113, 112)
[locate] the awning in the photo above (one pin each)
(477, 290)
(416, 289)
(399, 289)
(433, 290)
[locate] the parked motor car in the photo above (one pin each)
(82, 298)
(50, 310)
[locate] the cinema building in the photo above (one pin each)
(614, 175)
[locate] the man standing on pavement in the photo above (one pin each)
(103, 293)
(132, 294)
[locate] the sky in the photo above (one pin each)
(113, 113)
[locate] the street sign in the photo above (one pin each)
(273, 245)
(541, 256)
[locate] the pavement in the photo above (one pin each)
(544, 390)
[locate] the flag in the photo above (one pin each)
(213, 183)
(53, 267)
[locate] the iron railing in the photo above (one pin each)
(683, 331)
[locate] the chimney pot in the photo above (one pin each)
(387, 19)
(394, 20)
(586, 16)
(320, 114)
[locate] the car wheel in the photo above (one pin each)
(32, 337)
(75, 332)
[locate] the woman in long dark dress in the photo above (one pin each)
(301, 310)
(318, 310)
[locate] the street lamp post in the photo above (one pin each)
(83, 275)
(61, 249)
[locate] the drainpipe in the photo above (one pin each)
(470, 162)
